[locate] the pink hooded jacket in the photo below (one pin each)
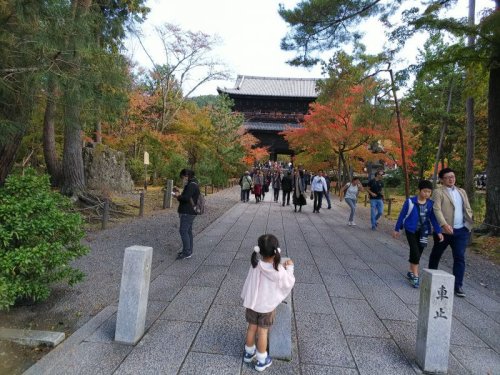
(265, 288)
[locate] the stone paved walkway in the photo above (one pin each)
(353, 311)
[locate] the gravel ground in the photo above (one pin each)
(69, 308)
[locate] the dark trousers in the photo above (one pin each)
(276, 194)
(458, 243)
(245, 195)
(318, 199)
(416, 248)
(186, 232)
(286, 195)
(327, 197)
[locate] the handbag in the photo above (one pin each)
(311, 196)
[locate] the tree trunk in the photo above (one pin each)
(8, 153)
(73, 171)
(441, 140)
(492, 218)
(53, 163)
(470, 127)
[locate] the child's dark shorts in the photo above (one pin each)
(264, 320)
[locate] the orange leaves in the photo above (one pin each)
(347, 126)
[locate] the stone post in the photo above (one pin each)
(280, 335)
(434, 320)
(134, 289)
(167, 200)
(141, 204)
(105, 214)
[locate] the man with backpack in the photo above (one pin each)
(190, 205)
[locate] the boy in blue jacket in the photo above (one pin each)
(416, 217)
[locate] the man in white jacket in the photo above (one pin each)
(319, 187)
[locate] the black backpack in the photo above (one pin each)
(199, 206)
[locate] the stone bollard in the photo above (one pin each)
(105, 214)
(434, 320)
(167, 200)
(141, 204)
(280, 334)
(134, 289)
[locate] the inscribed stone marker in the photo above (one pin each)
(134, 289)
(434, 320)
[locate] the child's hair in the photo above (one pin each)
(424, 184)
(355, 178)
(268, 246)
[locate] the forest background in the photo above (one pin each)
(65, 82)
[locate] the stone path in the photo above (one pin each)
(353, 311)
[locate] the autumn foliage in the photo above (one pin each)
(349, 129)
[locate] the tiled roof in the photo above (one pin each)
(272, 126)
(273, 86)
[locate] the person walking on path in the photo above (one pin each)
(327, 192)
(276, 182)
(375, 189)
(350, 193)
(258, 182)
(416, 217)
(246, 186)
(318, 187)
(267, 284)
(286, 186)
(186, 211)
(298, 198)
(454, 215)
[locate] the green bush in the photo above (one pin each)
(39, 237)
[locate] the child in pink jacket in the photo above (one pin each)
(267, 284)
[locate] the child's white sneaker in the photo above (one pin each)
(353, 223)
(349, 223)
(248, 357)
(261, 366)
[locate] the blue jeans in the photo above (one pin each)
(458, 242)
(376, 210)
(186, 232)
(327, 197)
(352, 205)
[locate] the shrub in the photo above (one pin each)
(39, 237)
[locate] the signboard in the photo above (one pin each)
(146, 158)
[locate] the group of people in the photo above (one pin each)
(291, 182)
(269, 281)
(449, 213)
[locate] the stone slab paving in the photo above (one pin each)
(353, 312)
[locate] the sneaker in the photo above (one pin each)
(459, 292)
(183, 256)
(415, 282)
(262, 366)
(353, 223)
(374, 228)
(247, 357)
(410, 275)
(349, 223)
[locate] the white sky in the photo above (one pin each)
(251, 32)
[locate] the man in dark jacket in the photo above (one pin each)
(286, 186)
(187, 199)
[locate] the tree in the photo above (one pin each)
(319, 26)
(342, 131)
(187, 60)
(19, 76)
